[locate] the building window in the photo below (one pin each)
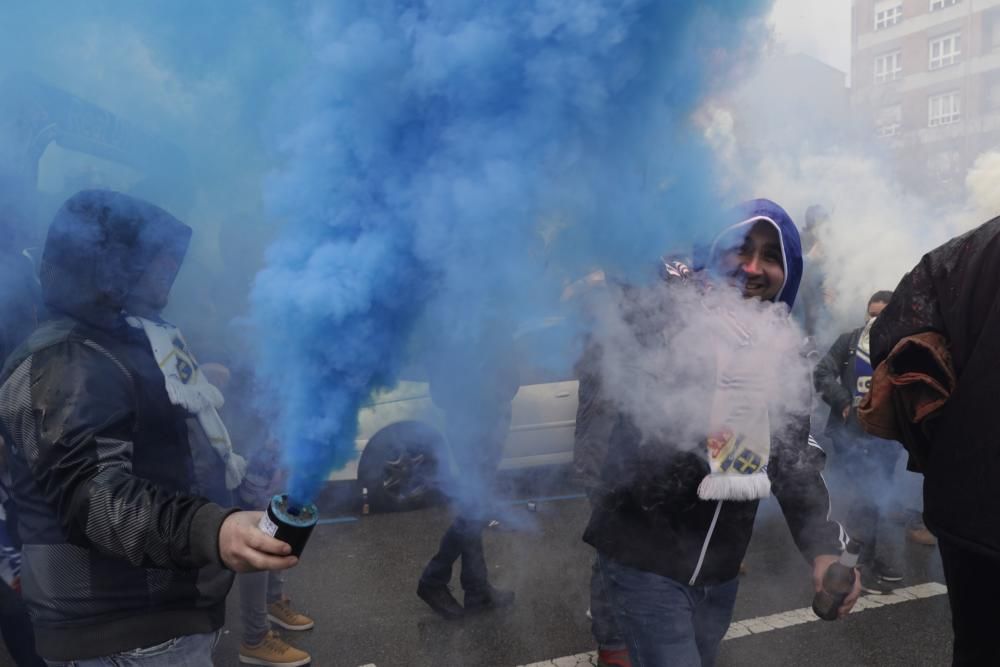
(941, 4)
(944, 109)
(888, 67)
(888, 14)
(889, 121)
(993, 96)
(991, 25)
(945, 50)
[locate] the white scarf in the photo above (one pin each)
(739, 444)
(188, 388)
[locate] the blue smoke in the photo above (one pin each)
(447, 165)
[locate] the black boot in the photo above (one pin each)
(488, 598)
(440, 599)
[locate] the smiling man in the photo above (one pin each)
(757, 266)
(673, 510)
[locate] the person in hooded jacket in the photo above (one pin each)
(953, 292)
(125, 557)
(671, 520)
(866, 464)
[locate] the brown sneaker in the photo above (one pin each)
(918, 534)
(281, 613)
(273, 652)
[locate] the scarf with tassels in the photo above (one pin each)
(188, 388)
(739, 443)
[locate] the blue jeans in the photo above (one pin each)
(186, 651)
(258, 590)
(602, 615)
(665, 622)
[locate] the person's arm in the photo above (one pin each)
(80, 454)
(795, 470)
(595, 420)
(826, 377)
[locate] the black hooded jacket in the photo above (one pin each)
(647, 513)
(120, 551)
(955, 291)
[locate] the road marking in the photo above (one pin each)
(546, 499)
(761, 624)
(338, 519)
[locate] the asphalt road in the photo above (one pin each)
(357, 580)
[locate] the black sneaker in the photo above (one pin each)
(874, 584)
(440, 599)
(491, 598)
(886, 572)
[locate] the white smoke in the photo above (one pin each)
(664, 345)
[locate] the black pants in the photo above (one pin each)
(476, 438)
(973, 592)
(463, 539)
(16, 628)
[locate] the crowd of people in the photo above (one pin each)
(131, 487)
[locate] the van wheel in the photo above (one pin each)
(399, 467)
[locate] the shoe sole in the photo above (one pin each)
(443, 613)
(267, 663)
(287, 626)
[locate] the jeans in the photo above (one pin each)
(666, 622)
(463, 539)
(185, 651)
(257, 591)
(603, 625)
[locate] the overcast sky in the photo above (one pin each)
(819, 28)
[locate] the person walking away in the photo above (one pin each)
(474, 384)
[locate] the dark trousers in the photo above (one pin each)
(16, 628)
(476, 438)
(864, 467)
(973, 592)
(463, 539)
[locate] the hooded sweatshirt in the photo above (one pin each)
(120, 546)
(953, 291)
(647, 511)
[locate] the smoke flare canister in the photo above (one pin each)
(289, 523)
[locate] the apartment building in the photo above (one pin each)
(926, 82)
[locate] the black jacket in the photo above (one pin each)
(120, 547)
(954, 291)
(835, 378)
(669, 538)
(647, 513)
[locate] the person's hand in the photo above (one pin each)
(243, 547)
(847, 412)
(820, 565)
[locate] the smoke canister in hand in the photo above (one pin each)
(838, 582)
(289, 522)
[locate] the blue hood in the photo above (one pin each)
(750, 213)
